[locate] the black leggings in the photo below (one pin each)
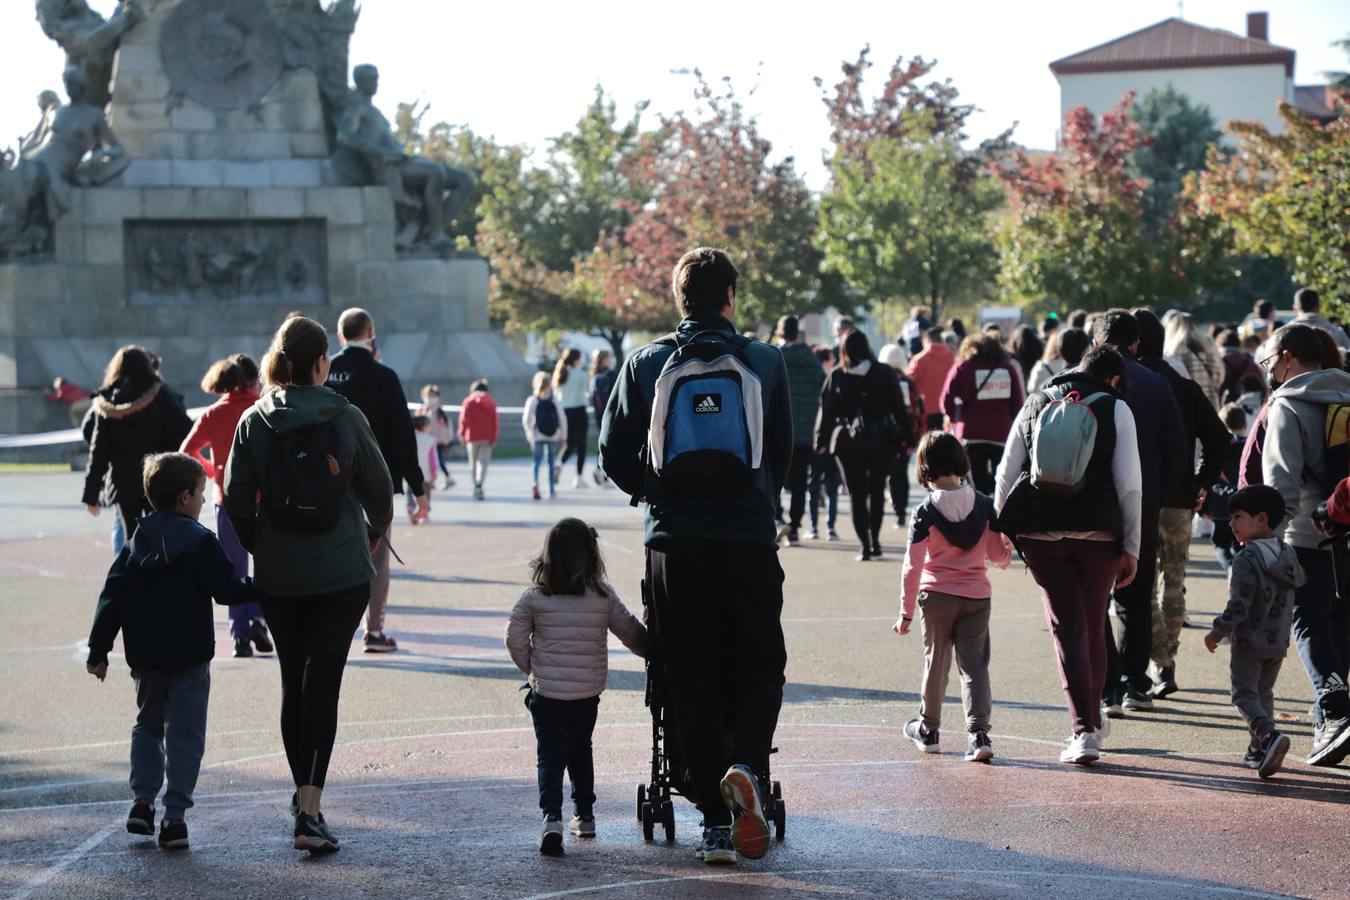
(865, 473)
(312, 636)
(577, 425)
(984, 459)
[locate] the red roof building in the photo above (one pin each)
(1238, 77)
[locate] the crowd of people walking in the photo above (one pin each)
(1092, 447)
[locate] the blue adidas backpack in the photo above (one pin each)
(707, 430)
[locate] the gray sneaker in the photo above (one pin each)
(379, 642)
(925, 740)
(551, 837)
(580, 827)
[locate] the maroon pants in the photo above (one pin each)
(1075, 578)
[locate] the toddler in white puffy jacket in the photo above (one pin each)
(559, 637)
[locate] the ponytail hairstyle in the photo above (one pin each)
(296, 348)
(570, 563)
(564, 367)
(237, 372)
(600, 361)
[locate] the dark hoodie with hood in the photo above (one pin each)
(1260, 599)
(130, 420)
(300, 564)
(158, 594)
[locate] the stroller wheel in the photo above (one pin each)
(668, 820)
(642, 799)
(648, 821)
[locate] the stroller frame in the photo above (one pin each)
(654, 797)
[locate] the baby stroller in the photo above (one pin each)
(670, 778)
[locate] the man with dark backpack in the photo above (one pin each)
(699, 429)
(376, 390)
(1304, 457)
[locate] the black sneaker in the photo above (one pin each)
(876, 549)
(716, 849)
(1273, 750)
(864, 555)
(173, 835)
(295, 804)
(1166, 683)
(260, 638)
(379, 642)
(1137, 701)
(1111, 707)
(925, 740)
(1252, 759)
(141, 819)
(979, 748)
(793, 539)
(312, 834)
(242, 649)
(1331, 742)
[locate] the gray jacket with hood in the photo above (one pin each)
(1293, 458)
(297, 564)
(1260, 599)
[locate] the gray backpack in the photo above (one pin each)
(1062, 446)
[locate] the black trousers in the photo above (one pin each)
(1127, 656)
(312, 637)
(716, 610)
(934, 421)
(131, 511)
(562, 733)
(899, 482)
(984, 460)
(798, 469)
(578, 424)
(865, 472)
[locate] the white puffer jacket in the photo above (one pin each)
(562, 642)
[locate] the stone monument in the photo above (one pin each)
(234, 177)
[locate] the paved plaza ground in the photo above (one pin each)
(432, 782)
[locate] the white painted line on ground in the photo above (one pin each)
(1193, 885)
(38, 881)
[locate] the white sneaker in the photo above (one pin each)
(1083, 750)
(577, 482)
(1104, 732)
(811, 535)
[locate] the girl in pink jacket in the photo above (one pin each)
(559, 637)
(951, 536)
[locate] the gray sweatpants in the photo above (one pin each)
(171, 719)
(1254, 692)
(955, 626)
(379, 588)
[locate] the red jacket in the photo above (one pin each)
(478, 418)
(983, 399)
(929, 370)
(215, 429)
(1338, 506)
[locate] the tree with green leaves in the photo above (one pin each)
(906, 215)
(1176, 138)
(1287, 195)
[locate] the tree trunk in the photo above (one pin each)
(615, 337)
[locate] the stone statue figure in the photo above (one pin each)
(427, 194)
(89, 40)
(78, 148)
(48, 102)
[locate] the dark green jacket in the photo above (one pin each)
(805, 379)
(297, 564)
(158, 594)
(745, 518)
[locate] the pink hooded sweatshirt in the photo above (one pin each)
(949, 541)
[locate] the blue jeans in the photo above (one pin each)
(171, 720)
(562, 730)
(1321, 626)
(824, 473)
(544, 448)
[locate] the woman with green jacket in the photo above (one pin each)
(308, 493)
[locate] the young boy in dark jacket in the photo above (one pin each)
(158, 594)
(1257, 619)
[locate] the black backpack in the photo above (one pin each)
(546, 417)
(306, 483)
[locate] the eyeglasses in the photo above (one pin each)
(1268, 362)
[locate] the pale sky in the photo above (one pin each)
(523, 70)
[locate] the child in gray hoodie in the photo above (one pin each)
(1256, 620)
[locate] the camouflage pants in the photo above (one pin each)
(1169, 615)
